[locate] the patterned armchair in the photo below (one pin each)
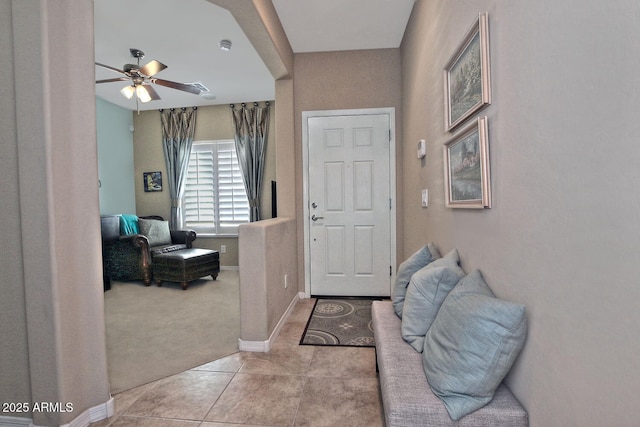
(130, 256)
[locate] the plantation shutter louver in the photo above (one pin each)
(215, 200)
(234, 206)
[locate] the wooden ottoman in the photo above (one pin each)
(185, 265)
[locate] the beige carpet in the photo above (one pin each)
(155, 332)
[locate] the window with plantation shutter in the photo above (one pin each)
(214, 201)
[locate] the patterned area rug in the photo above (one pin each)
(340, 322)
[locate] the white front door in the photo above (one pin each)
(349, 204)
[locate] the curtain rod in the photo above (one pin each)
(255, 104)
(182, 108)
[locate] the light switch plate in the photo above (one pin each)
(422, 148)
(425, 198)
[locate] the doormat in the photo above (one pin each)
(340, 322)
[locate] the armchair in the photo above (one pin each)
(130, 256)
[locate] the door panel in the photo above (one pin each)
(349, 205)
(335, 245)
(334, 186)
(363, 260)
(363, 182)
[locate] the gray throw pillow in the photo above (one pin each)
(426, 292)
(471, 345)
(412, 264)
(156, 231)
(451, 260)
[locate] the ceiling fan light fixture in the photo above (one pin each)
(142, 93)
(143, 78)
(128, 91)
(225, 45)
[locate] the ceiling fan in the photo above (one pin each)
(141, 76)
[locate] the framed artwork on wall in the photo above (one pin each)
(467, 81)
(466, 168)
(152, 181)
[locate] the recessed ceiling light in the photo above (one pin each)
(225, 45)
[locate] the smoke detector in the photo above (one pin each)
(225, 45)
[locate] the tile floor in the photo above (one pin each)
(292, 385)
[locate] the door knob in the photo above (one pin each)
(315, 218)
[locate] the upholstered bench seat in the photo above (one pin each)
(185, 265)
(406, 395)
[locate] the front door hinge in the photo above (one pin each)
(390, 270)
(390, 204)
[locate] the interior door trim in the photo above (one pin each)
(306, 115)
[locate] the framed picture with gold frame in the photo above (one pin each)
(467, 80)
(466, 168)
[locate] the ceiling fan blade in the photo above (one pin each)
(111, 68)
(152, 68)
(117, 79)
(152, 92)
(180, 86)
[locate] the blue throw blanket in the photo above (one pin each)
(129, 224)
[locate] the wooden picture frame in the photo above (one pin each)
(466, 168)
(467, 80)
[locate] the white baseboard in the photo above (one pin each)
(15, 422)
(94, 414)
(91, 415)
(265, 346)
(254, 346)
(230, 267)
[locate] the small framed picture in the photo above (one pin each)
(466, 168)
(467, 81)
(152, 181)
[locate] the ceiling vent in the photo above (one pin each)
(204, 91)
(200, 86)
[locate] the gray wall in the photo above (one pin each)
(115, 158)
(563, 233)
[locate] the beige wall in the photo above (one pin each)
(259, 21)
(53, 332)
(267, 256)
(213, 123)
(14, 362)
(563, 232)
(560, 238)
(52, 290)
(268, 248)
(338, 81)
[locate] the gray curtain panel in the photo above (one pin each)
(178, 128)
(251, 126)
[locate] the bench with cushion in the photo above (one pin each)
(407, 398)
(444, 345)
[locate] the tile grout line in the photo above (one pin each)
(304, 385)
(221, 393)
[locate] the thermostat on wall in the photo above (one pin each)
(422, 149)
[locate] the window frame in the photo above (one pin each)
(218, 228)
